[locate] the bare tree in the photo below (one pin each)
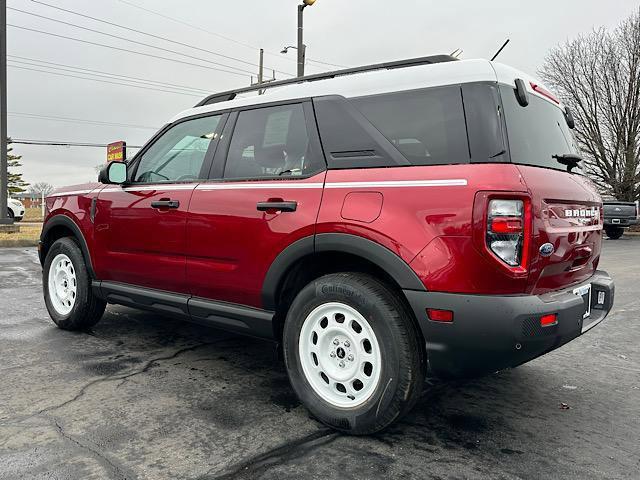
(40, 188)
(598, 77)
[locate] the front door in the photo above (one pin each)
(264, 195)
(140, 227)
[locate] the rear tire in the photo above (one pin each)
(67, 288)
(614, 233)
(353, 353)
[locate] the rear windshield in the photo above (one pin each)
(536, 132)
(426, 126)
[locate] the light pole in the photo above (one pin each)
(4, 175)
(301, 48)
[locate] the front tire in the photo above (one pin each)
(67, 288)
(353, 353)
(614, 233)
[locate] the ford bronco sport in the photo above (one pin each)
(385, 223)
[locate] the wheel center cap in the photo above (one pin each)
(340, 352)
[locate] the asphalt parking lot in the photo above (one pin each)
(145, 396)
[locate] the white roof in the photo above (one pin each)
(379, 81)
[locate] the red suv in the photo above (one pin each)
(382, 224)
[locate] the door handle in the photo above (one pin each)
(273, 206)
(165, 204)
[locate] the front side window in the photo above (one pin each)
(271, 142)
(178, 155)
(426, 126)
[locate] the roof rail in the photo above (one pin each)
(410, 62)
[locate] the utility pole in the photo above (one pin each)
(261, 66)
(301, 46)
(261, 79)
(4, 175)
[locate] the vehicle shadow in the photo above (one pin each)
(449, 414)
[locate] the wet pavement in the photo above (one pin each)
(150, 397)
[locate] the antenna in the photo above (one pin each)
(500, 50)
(456, 53)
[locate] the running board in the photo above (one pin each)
(226, 316)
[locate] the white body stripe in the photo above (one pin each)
(74, 192)
(257, 186)
(399, 183)
(151, 188)
(454, 182)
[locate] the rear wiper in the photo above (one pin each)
(571, 160)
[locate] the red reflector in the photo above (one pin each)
(506, 224)
(440, 315)
(549, 320)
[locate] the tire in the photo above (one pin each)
(10, 213)
(392, 381)
(614, 233)
(69, 309)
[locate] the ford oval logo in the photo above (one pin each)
(547, 249)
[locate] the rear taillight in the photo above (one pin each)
(506, 235)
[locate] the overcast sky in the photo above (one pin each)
(342, 32)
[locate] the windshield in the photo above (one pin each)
(536, 132)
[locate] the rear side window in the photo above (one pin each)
(536, 132)
(426, 126)
(271, 142)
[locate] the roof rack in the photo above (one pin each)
(231, 94)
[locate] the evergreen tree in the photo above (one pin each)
(16, 183)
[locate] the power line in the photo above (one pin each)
(123, 49)
(105, 81)
(148, 45)
(115, 76)
(238, 42)
(215, 34)
(326, 63)
(153, 35)
(78, 120)
(57, 143)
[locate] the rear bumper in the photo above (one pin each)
(621, 222)
(490, 333)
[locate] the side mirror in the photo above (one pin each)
(568, 116)
(113, 173)
(521, 93)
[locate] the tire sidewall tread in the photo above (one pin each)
(87, 309)
(402, 367)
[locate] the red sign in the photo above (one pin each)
(117, 151)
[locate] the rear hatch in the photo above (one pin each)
(566, 207)
(619, 210)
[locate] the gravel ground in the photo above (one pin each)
(149, 397)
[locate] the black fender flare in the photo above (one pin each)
(66, 221)
(369, 250)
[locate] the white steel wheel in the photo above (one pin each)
(63, 284)
(340, 355)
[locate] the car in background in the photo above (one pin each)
(15, 209)
(618, 216)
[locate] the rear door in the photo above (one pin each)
(264, 194)
(140, 226)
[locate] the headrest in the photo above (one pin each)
(270, 157)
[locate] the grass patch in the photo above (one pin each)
(27, 237)
(32, 215)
